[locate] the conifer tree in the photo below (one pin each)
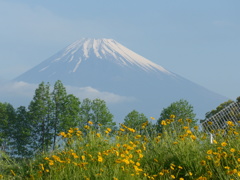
(21, 133)
(65, 110)
(7, 118)
(40, 113)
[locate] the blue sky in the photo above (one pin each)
(199, 40)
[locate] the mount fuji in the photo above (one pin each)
(104, 66)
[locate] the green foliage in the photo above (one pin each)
(97, 112)
(21, 134)
(7, 119)
(41, 117)
(65, 110)
(101, 114)
(218, 109)
(134, 119)
(186, 154)
(180, 109)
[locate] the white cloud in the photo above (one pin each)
(89, 92)
(17, 89)
(21, 93)
(17, 93)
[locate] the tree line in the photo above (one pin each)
(27, 130)
(24, 131)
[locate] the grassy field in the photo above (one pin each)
(179, 152)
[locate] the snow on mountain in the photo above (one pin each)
(104, 49)
(110, 68)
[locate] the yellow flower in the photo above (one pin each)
(98, 135)
(163, 123)
(209, 173)
(195, 127)
(230, 123)
(138, 164)
(87, 127)
(208, 157)
(121, 129)
(181, 178)
(140, 155)
(172, 116)
(90, 122)
(190, 173)
(203, 163)
(70, 130)
(115, 178)
(209, 151)
(232, 150)
(51, 163)
(161, 173)
(137, 136)
(189, 120)
(173, 177)
(100, 159)
(210, 123)
(63, 134)
(83, 157)
(152, 118)
(42, 167)
(179, 120)
(131, 130)
(193, 137)
(224, 144)
(109, 129)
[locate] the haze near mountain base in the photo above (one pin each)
(106, 69)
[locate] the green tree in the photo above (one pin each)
(219, 121)
(65, 110)
(21, 133)
(85, 112)
(7, 119)
(101, 114)
(134, 119)
(96, 111)
(40, 113)
(59, 95)
(180, 109)
(218, 109)
(71, 117)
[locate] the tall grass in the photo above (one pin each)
(179, 152)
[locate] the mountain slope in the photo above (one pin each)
(108, 66)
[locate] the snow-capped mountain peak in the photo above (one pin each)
(115, 71)
(87, 48)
